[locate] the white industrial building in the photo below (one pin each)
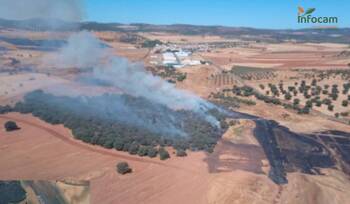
(177, 58)
(182, 53)
(169, 59)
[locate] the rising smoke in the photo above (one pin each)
(66, 10)
(83, 50)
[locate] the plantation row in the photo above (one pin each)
(249, 91)
(344, 74)
(307, 90)
(230, 101)
(252, 73)
(222, 79)
(312, 92)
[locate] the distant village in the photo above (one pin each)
(174, 56)
(182, 55)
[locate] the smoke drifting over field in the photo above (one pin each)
(67, 10)
(133, 79)
(83, 51)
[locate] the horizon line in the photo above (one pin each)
(174, 24)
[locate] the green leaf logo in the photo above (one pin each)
(309, 11)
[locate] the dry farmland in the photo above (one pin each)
(286, 132)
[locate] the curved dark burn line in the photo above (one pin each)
(309, 155)
(263, 132)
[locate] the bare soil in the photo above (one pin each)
(42, 151)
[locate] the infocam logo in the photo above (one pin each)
(307, 17)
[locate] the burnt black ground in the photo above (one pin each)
(288, 151)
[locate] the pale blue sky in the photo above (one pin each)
(247, 13)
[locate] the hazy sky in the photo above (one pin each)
(248, 13)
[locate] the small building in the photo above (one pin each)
(191, 62)
(169, 59)
(182, 54)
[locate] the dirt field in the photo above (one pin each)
(229, 175)
(284, 55)
(13, 87)
(177, 38)
(236, 172)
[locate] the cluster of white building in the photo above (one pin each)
(178, 59)
(169, 59)
(172, 56)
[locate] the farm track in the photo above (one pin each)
(147, 54)
(279, 194)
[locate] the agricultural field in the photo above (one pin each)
(262, 118)
(324, 92)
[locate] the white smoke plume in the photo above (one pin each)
(84, 50)
(66, 10)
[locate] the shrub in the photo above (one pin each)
(109, 144)
(344, 114)
(11, 126)
(142, 151)
(163, 154)
(295, 92)
(118, 144)
(247, 91)
(181, 153)
(305, 110)
(308, 104)
(123, 168)
(314, 82)
(288, 96)
(296, 101)
(327, 101)
(345, 103)
(181, 77)
(133, 149)
(330, 107)
(152, 152)
(318, 103)
(151, 43)
(334, 96)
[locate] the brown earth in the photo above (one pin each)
(232, 174)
